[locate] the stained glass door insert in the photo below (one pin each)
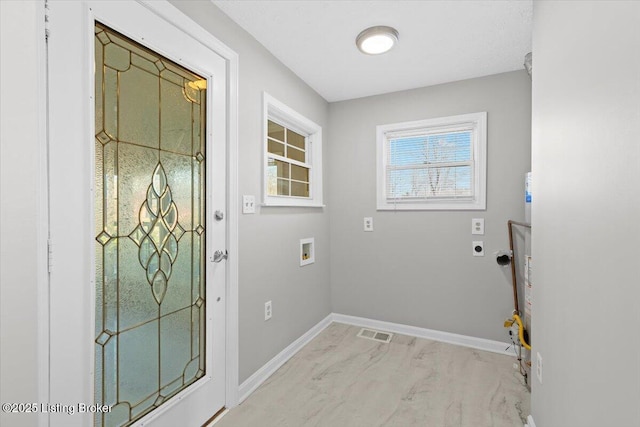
(150, 235)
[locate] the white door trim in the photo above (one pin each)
(42, 258)
(172, 15)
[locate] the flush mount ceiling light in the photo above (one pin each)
(377, 40)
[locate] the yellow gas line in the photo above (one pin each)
(521, 332)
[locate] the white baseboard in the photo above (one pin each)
(414, 331)
(261, 375)
(530, 422)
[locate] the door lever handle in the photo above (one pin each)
(219, 255)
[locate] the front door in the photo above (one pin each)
(137, 118)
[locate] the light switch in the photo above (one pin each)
(248, 204)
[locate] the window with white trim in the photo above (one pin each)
(434, 164)
(292, 157)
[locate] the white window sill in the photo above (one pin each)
(440, 206)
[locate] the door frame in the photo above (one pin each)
(171, 14)
(175, 17)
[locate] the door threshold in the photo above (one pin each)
(216, 417)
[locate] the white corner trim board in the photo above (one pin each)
(530, 422)
(414, 331)
(261, 375)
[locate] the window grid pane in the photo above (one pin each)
(299, 189)
(275, 147)
(275, 131)
(295, 154)
(299, 173)
(286, 178)
(295, 139)
(283, 187)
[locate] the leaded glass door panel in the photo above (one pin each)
(150, 228)
(156, 155)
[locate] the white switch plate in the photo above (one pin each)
(539, 367)
(477, 226)
(368, 223)
(474, 247)
(267, 310)
(248, 204)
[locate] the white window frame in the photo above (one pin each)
(280, 113)
(476, 122)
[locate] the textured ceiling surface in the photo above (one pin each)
(440, 41)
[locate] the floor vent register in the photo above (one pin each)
(374, 335)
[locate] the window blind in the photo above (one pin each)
(430, 165)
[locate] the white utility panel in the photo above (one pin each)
(368, 223)
(478, 248)
(248, 204)
(307, 251)
(477, 226)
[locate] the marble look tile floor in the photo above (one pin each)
(341, 380)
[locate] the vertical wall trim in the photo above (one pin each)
(233, 233)
(42, 196)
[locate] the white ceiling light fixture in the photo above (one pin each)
(377, 40)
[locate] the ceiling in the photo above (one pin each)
(440, 41)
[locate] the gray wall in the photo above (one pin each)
(417, 268)
(19, 191)
(269, 239)
(586, 213)
(269, 268)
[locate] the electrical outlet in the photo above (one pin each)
(477, 226)
(478, 248)
(267, 310)
(248, 204)
(539, 367)
(368, 223)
